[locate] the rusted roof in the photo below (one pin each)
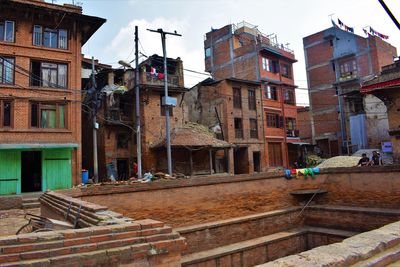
(192, 135)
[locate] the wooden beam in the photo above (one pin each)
(210, 156)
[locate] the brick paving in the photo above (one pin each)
(12, 220)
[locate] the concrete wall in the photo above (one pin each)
(377, 123)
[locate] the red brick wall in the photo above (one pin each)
(24, 51)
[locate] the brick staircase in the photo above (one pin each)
(106, 238)
(131, 241)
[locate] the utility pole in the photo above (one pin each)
(137, 89)
(95, 126)
(166, 101)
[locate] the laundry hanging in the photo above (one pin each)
(344, 26)
(383, 36)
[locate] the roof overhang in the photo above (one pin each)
(36, 146)
(380, 86)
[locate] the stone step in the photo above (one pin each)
(30, 200)
(238, 251)
(30, 205)
(35, 251)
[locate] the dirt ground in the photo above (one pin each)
(12, 220)
(206, 212)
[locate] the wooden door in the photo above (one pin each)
(275, 154)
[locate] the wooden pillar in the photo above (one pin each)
(210, 156)
(226, 160)
(191, 161)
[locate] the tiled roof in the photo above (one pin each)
(192, 135)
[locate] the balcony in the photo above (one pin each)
(150, 79)
(116, 116)
(292, 133)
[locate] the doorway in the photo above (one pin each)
(31, 171)
(275, 154)
(257, 161)
(241, 160)
(123, 169)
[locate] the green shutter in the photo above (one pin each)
(10, 172)
(57, 172)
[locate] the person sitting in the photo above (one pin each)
(364, 161)
(376, 159)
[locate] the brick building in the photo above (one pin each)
(40, 101)
(243, 52)
(337, 62)
(304, 124)
(386, 87)
(190, 143)
(233, 109)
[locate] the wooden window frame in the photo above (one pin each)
(253, 130)
(238, 131)
(252, 100)
(287, 73)
(41, 78)
(274, 120)
(3, 38)
(237, 98)
(2, 101)
(272, 91)
(289, 97)
(41, 106)
(43, 31)
(13, 76)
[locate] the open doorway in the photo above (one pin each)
(257, 161)
(31, 171)
(241, 160)
(123, 169)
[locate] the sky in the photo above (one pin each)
(291, 20)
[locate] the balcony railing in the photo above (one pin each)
(292, 133)
(117, 116)
(150, 79)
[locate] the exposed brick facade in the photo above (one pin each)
(337, 62)
(233, 52)
(26, 14)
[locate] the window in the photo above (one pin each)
(5, 113)
(163, 108)
(238, 128)
(270, 92)
(50, 38)
(286, 71)
(348, 70)
(252, 99)
(270, 65)
(48, 115)
(289, 97)
(274, 120)
(48, 74)
(7, 31)
(237, 98)
(122, 140)
(6, 70)
(253, 128)
(208, 52)
(290, 123)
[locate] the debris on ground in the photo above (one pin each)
(340, 161)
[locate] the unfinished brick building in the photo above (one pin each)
(241, 51)
(40, 77)
(337, 62)
(233, 109)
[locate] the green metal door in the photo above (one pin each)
(57, 169)
(10, 172)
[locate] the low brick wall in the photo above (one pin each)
(10, 202)
(235, 196)
(215, 234)
(106, 238)
(378, 247)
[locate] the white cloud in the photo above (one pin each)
(122, 45)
